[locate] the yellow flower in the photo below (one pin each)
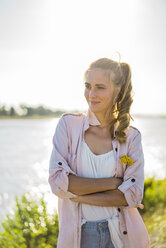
(127, 160)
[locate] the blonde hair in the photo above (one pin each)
(120, 75)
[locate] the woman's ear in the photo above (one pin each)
(118, 89)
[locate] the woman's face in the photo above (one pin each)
(99, 91)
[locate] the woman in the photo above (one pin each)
(97, 165)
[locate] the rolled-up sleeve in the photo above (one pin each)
(133, 181)
(58, 166)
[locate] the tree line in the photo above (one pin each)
(28, 111)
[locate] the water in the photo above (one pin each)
(25, 148)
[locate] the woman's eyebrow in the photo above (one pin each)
(96, 84)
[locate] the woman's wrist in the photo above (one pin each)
(117, 181)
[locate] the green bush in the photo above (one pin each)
(154, 194)
(31, 226)
(154, 212)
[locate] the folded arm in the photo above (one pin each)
(97, 191)
(83, 186)
(111, 198)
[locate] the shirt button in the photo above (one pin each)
(133, 180)
(116, 149)
(119, 209)
(59, 163)
(125, 232)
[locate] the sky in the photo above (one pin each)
(46, 45)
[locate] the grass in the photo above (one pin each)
(156, 227)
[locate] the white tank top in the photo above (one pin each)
(98, 166)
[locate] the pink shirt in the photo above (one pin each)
(66, 158)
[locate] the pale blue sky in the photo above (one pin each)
(46, 45)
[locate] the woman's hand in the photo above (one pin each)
(118, 181)
(75, 199)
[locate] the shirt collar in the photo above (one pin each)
(91, 119)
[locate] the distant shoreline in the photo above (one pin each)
(28, 117)
(24, 111)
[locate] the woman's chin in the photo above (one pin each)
(94, 109)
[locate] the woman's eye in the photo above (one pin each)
(99, 87)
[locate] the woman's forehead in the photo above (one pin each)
(97, 76)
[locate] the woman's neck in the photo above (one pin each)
(101, 119)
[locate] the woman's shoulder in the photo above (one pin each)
(72, 114)
(134, 129)
(72, 118)
(132, 132)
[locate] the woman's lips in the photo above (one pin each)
(94, 102)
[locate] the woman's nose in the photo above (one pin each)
(92, 92)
